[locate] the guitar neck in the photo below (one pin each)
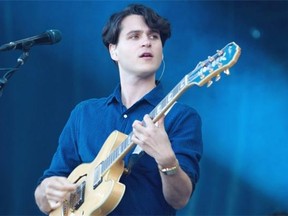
(167, 102)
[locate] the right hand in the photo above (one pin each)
(52, 192)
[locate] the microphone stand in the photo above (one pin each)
(10, 71)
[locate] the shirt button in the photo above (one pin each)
(125, 116)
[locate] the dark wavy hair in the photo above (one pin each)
(111, 30)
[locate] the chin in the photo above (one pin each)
(149, 68)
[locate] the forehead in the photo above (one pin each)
(133, 23)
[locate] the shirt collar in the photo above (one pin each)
(153, 97)
(115, 96)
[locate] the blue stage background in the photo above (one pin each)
(245, 162)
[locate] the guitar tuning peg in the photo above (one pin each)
(211, 58)
(219, 52)
(209, 83)
(201, 64)
(219, 64)
(227, 72)
(218, 77)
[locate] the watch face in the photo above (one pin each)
(171, 172)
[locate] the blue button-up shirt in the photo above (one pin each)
(91, 122)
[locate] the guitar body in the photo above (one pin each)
(107, 195)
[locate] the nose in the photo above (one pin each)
(146, 42)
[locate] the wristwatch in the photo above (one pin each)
(169, 170)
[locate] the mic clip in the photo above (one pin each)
(10, 71)
(25, 46)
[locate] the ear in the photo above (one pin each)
(113, 52)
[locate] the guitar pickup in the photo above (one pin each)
(77, 198)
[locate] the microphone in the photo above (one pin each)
(46, 38)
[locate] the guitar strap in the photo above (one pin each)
(134, 157)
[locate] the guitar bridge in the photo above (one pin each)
(77, 198)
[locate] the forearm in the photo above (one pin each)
(177, 188)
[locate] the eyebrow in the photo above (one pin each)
(151, 31)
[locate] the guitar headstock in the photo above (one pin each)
(214, 65)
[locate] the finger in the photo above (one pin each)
(54, 204)
(57, 188)
(136, 140)
(57, 195)
(160, 122)
(137, 125)
(64, 185)
(148, 121)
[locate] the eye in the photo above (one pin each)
(134, 36)
(154, 36)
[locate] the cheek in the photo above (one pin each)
(127, 52)
(159, 58)
(159, 51)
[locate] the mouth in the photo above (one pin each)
(146, 55)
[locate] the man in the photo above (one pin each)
(163, 178)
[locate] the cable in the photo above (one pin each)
(163, 70)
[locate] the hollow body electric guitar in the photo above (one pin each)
(98, 188)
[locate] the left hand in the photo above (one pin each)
(153, 139)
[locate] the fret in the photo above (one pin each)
(129, 138)
(159, 108)
(152, 114)
(104, 165)
(114, 155)
(182, 84)
(169, 97)
(97, 175)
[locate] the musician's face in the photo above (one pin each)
(139, 49)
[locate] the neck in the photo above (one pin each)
(131, 92)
